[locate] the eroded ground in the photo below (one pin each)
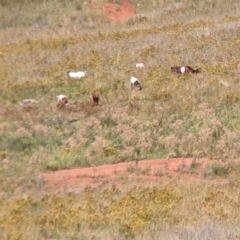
(145, 172)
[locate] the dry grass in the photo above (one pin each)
(139, 212)
(173, 116)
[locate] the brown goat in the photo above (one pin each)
(183, 69)
(95, 97)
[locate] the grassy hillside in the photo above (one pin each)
(173, 116)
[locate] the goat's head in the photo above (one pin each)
(137, 86)
(62, 99)
(95, 97)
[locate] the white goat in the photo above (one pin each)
(135, 83)
(140, 65)
(28, 101)
(62, 99)
(79, 74)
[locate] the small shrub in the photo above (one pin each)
(194, 166)
(3, 154)
(20, 144)
(109, 151)
(108, 122)
(65, 161)
(217, 169)
(146, 170)
(133, 168)
(159, 173)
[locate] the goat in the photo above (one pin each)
(135, 83)
(140, 65)
(79, 74)
(184, 69)
(62, 99)
(95, 97)
(28, 101)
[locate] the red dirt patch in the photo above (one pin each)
(146, 172)
(118, 12)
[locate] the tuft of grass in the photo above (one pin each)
(194, 166)
(66, 160)
(159, 173)
(3, 154)
(133, 168)
(146, 170)
(217, 170)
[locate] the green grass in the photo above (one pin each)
(173, 116)
(221, 169)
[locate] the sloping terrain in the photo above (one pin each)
(160, 163)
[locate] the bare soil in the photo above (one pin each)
(118, 12)
(144, 172)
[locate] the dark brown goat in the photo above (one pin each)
(95, 97)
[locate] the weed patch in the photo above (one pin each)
(217, 170)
